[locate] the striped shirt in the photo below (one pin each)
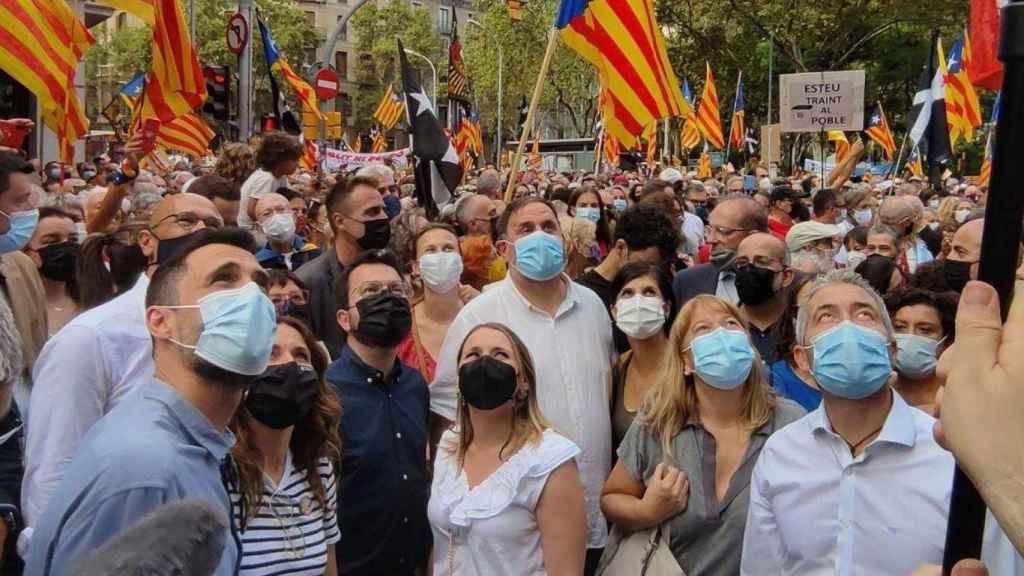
(290, 532)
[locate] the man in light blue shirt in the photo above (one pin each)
(167, 442)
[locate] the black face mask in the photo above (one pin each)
(166, 249)
(754, 285)
(377, 235)
(59, 261)
(487, 383)
(384, 320)
(957, 274)
(283, 395)
(701, 210)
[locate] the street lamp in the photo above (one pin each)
(433, 69)
(497, 136)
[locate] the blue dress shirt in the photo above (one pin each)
(384, 486)
(153, 448)
(789, 385)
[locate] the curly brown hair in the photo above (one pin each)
(314, 438)
(277, 147)
(236, 162)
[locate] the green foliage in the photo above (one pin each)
(376, 29)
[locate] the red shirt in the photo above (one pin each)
(778, 228)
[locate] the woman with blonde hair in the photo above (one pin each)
(236, 162)
(506, 496)
(947, 209)
(686, 461)
(282, 485)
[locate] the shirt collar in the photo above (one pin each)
(350, 364)
(217, 443)
(899, 427)
(571, 294)
(138, 292)
(766, 429)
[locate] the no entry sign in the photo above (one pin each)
(326, 84)
(819, 101)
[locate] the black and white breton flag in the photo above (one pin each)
(927, 122)
(438, 171)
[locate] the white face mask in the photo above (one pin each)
(640, 317)
(961, 216)
(279, 227)
(863, 217)
(441, 271)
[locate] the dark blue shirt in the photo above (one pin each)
(789, 385)
(384, 486)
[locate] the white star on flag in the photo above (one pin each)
(423, 103)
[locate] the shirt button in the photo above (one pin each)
(369, 380)
(405, 520)
(405, 476)
(398, 435)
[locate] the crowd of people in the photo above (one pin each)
(739, 371)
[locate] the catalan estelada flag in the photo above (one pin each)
(963, 111)
(623, 40)
(986, 164)
(536, 161)
(187, 133)
(390, 109)
(41, 44)
(914, 163)
(275, 61)
(709, 120)
(878, 130)
(738, 131)
(690, 136)
(380, 141)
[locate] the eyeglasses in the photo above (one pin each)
(189, 220)
(724, 231)
(371, 289)
(282, 300)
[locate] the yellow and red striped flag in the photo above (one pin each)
(380, 141)
(624, 42)
(390, 109)
(690, 137)
(709, 120)
(838, 137)
(704, 166)
(738, 128)
(651, 134)
(187, 133)
(611, 150)
(358, 148)
(275, 61)
(310, 155)
(878, 130)
(963, 110)
(41, 44)
(914, 163)
(536, 161)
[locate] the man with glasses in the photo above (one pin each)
(98, 358)
(385, 405)
(476, 215)
(762, 278)
(285, 249)
(735, 218)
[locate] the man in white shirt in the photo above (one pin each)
(567, 331)
(858, 486)
(277, 157)
(97, 359)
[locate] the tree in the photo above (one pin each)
(376, 29)
(119, 55)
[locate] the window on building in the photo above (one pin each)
(341, 65)
(444, 20)
(122, 20)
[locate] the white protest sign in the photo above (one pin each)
(818, 101)
(338, 160)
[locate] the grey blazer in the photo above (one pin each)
(700, 279)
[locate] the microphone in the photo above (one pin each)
(184, 538)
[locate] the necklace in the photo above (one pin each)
(853, 447)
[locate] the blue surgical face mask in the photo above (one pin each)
(238, 329)
(851, 361)
(620, 203)
(23, 225)
(863, 217)
(722, 358)
(539, 256)
(589, 213)
(916, 356)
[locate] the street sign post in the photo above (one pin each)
(326, 84)
(821, 101)
(237, 33)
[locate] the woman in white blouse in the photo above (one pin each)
(283, 487)
(506, 496)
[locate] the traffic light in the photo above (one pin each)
(218, 90)
(268, 123)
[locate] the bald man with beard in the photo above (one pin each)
(97, 359)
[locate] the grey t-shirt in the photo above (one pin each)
(707, 538)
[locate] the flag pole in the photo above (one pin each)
(534, 102)
(732, 120)
(894, 170)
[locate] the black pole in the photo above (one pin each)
(1000, 245)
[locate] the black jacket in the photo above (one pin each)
(320, 275)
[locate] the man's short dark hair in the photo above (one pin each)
(824, 201)
(277, 147)
(653, 186)
(517, 205)
(280, 278)
(341, 191)
(385, 257)
(11, 163)
(212, 186)
(944, 303)
(642, 226)
(288, 193)
(163, 286)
